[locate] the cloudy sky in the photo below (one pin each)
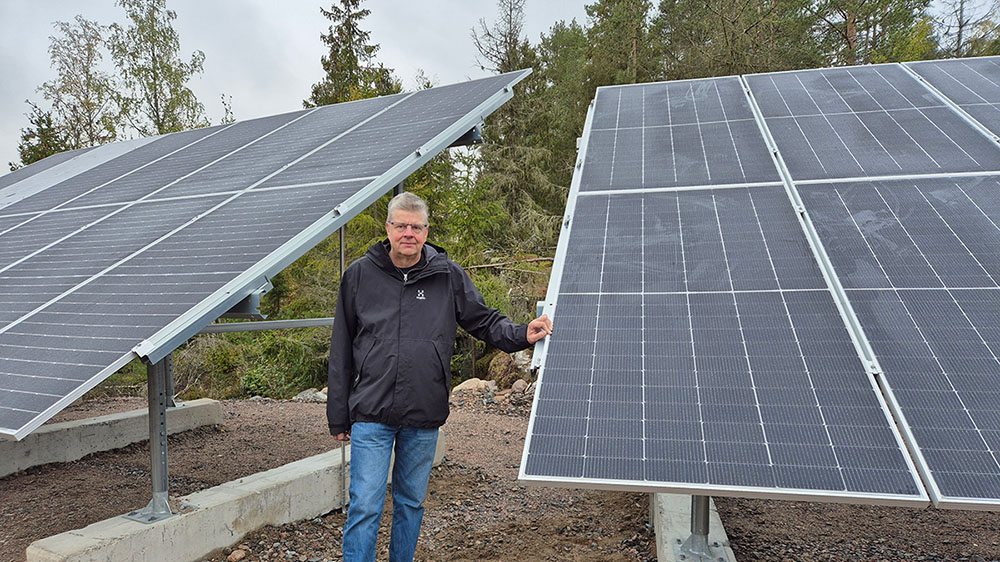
(263, 53)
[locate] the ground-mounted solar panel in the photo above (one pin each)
(973, 84)
(698, 348)
(133, 255)
(920, 261)
(870, 121)
(685, 133)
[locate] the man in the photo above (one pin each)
(390, 370)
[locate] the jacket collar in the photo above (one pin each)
(434, 258)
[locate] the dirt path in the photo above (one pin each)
(476, 510)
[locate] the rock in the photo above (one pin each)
(470, 385)
(311, 395)
(237, 555)
(530, 389)
(521, 361)
(520, 385)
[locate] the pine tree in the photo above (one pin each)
(41, 140)
(351, 72)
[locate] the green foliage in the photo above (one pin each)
(351, 72)
(41, 140)
(619, 39)
(863, 31)
(81, 94)
(155, 98)
(699, 38)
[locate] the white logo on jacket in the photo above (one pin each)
(420, 295)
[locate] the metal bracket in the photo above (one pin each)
(249, 307)
(472, 136)
(697, 548)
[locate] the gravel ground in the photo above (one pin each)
(476, 510)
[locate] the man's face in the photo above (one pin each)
(406, 244)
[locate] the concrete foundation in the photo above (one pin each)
(219, 517)
(73, 440)
(671, 519)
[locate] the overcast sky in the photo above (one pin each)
(263, 53)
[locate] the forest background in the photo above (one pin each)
(497, 207)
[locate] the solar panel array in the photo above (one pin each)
(137, 253)
(817, 318)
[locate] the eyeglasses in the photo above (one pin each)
(402, 226)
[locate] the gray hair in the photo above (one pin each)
(407, 201)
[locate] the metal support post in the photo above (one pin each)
(343, 449)
(158, 508)
(397, 189)
(170, 380)
(696, 547)
(343, 251)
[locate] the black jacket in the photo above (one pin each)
(393, 337)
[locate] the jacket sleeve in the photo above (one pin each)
(341, 365)
(483, 322)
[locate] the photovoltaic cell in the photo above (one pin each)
(698, 349)
(867, 121)
(94, 266)
(920, 263)
(973, 84)
(689, 133)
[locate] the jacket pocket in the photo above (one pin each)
(361, 364)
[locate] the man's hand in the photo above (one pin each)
(346, 436)
(539, 328)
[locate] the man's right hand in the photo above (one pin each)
(346, 436)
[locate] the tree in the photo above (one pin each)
(81, 94)
(41, 140)
(698, 38)
(515, 159)
(968, 27)
(618, 36)
(156, 98)
(566, 96)
(350, 67)
(866, 31)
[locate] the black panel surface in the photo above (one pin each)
(697, 346)
(973, 84)
(866, 122)
(921, 261)
(691, 133)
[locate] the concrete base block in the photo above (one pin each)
(221, 516)
(671, 519)
(73, 440)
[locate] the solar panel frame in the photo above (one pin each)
(495, 92)
(919, 499)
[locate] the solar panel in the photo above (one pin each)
(870, 121)
(695, 132)
(920, 263)
(697, 347)
(132, 256)
(973, 84)
(894, 172)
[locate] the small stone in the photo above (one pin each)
(237, 555)
(520, 385)
(471, 385)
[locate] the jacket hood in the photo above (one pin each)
(435, 257)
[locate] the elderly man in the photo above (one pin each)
(390, 370)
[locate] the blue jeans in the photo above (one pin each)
(371, 449)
